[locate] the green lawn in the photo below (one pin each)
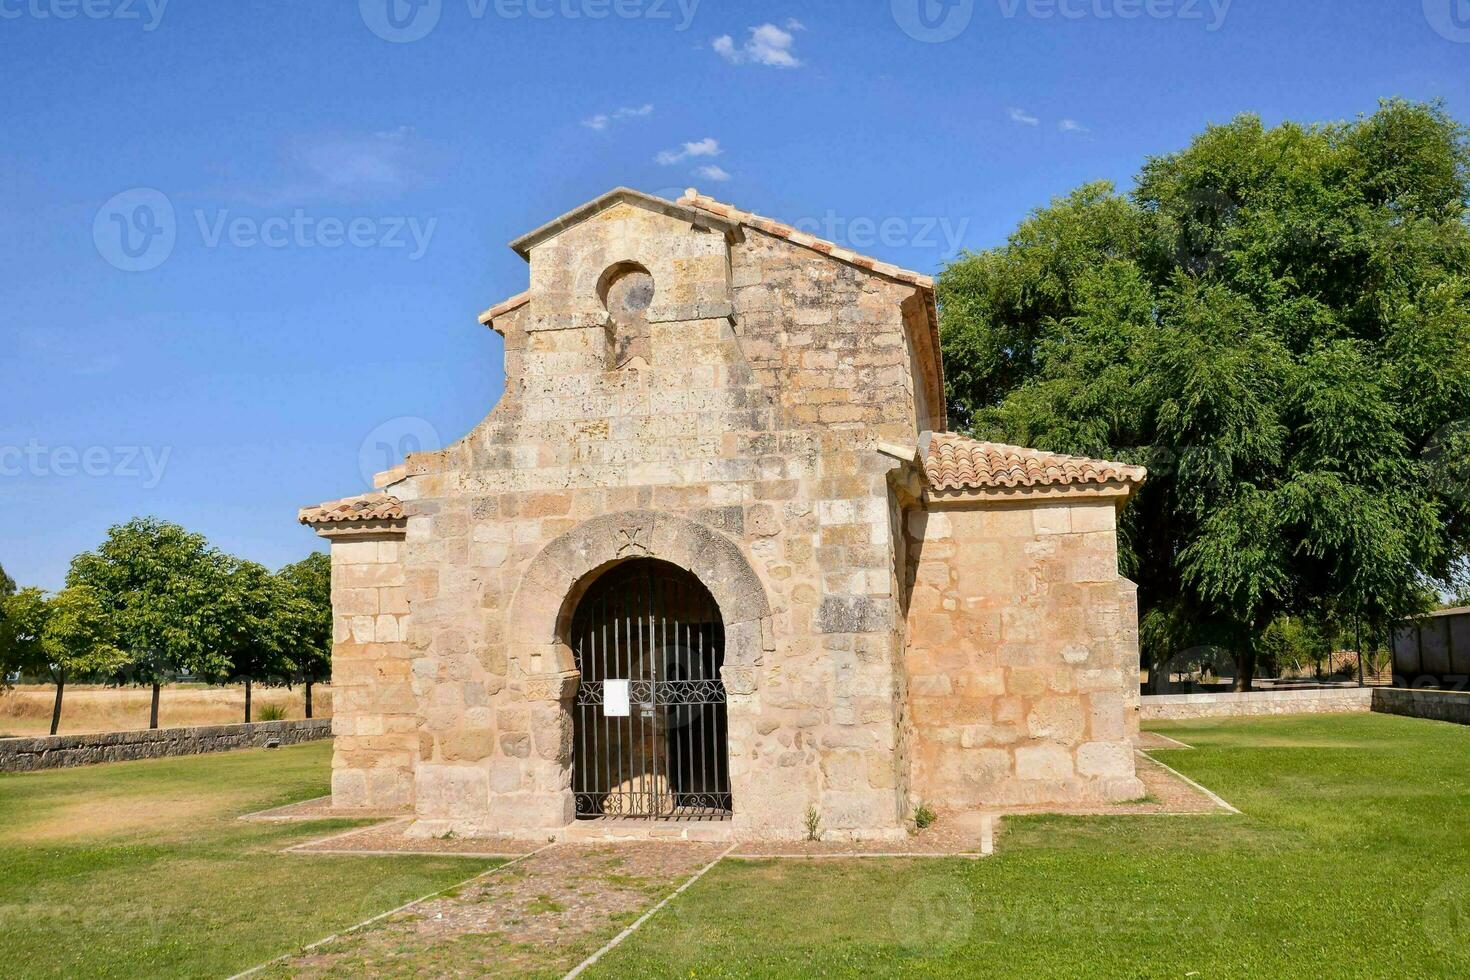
(1352, 859)
(139, 869)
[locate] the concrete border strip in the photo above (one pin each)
(618, 939)
(367, 922)
(1177, 744)
(1218, 800)
(348, 833)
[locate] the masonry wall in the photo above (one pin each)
(771, 375)
(63, 751)
(1019, 659)
(375, 716)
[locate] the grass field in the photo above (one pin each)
(1352, 858)
(140, 869)
(26, 708)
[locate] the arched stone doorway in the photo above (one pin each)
(650, 724)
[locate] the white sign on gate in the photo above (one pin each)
(615, 699)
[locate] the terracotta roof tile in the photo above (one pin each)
(502, 308)
(693, 198)
(959, 463)
(367, 507)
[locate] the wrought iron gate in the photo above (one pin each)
(650, 724)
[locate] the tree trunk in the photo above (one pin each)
(308, 697)
(247, 700)
(153, 713)
(56, 709)
(1245, 667)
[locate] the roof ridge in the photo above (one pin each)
(373, 506)
(721, 209)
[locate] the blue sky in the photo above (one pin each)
(245, 242)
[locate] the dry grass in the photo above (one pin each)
(26, 708)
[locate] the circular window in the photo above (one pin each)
(627, 293)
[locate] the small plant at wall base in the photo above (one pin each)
(272, 712)
(924, 816)
(813, 822)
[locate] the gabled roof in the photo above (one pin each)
(794, 235)
(366, 507)
(620, 195)
(955, 462)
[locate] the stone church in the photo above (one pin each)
(714, 561)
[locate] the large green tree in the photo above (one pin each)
(161, 587)
(309, 601)
(1275, 321)
(7, 584)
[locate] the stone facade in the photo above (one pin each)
(906, 617)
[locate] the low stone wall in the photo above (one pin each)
(1437, 705)
(59, 751)
(1332, 700)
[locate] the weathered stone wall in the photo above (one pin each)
(375, 713)
(60, 751)
(1423, 703)
(771, 375)
(1019, 659)
(1315, 701)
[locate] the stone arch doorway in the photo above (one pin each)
(650, 726)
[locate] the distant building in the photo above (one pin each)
(1434, 650)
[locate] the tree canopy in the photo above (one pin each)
(160, 587)
(1275, 322)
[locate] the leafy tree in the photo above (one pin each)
(160, 587)
(256, 625)
(77, 639)
(22, 629)
(310, 602)
(7, 584)
(1276, 322)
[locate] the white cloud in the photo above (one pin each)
(602, 120)
(707, 147)
(345, 166)
(1072, 126)
(767, 45)
(713, 172)
(1023, 117)
(795, 25)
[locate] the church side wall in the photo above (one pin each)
(1022, 675)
